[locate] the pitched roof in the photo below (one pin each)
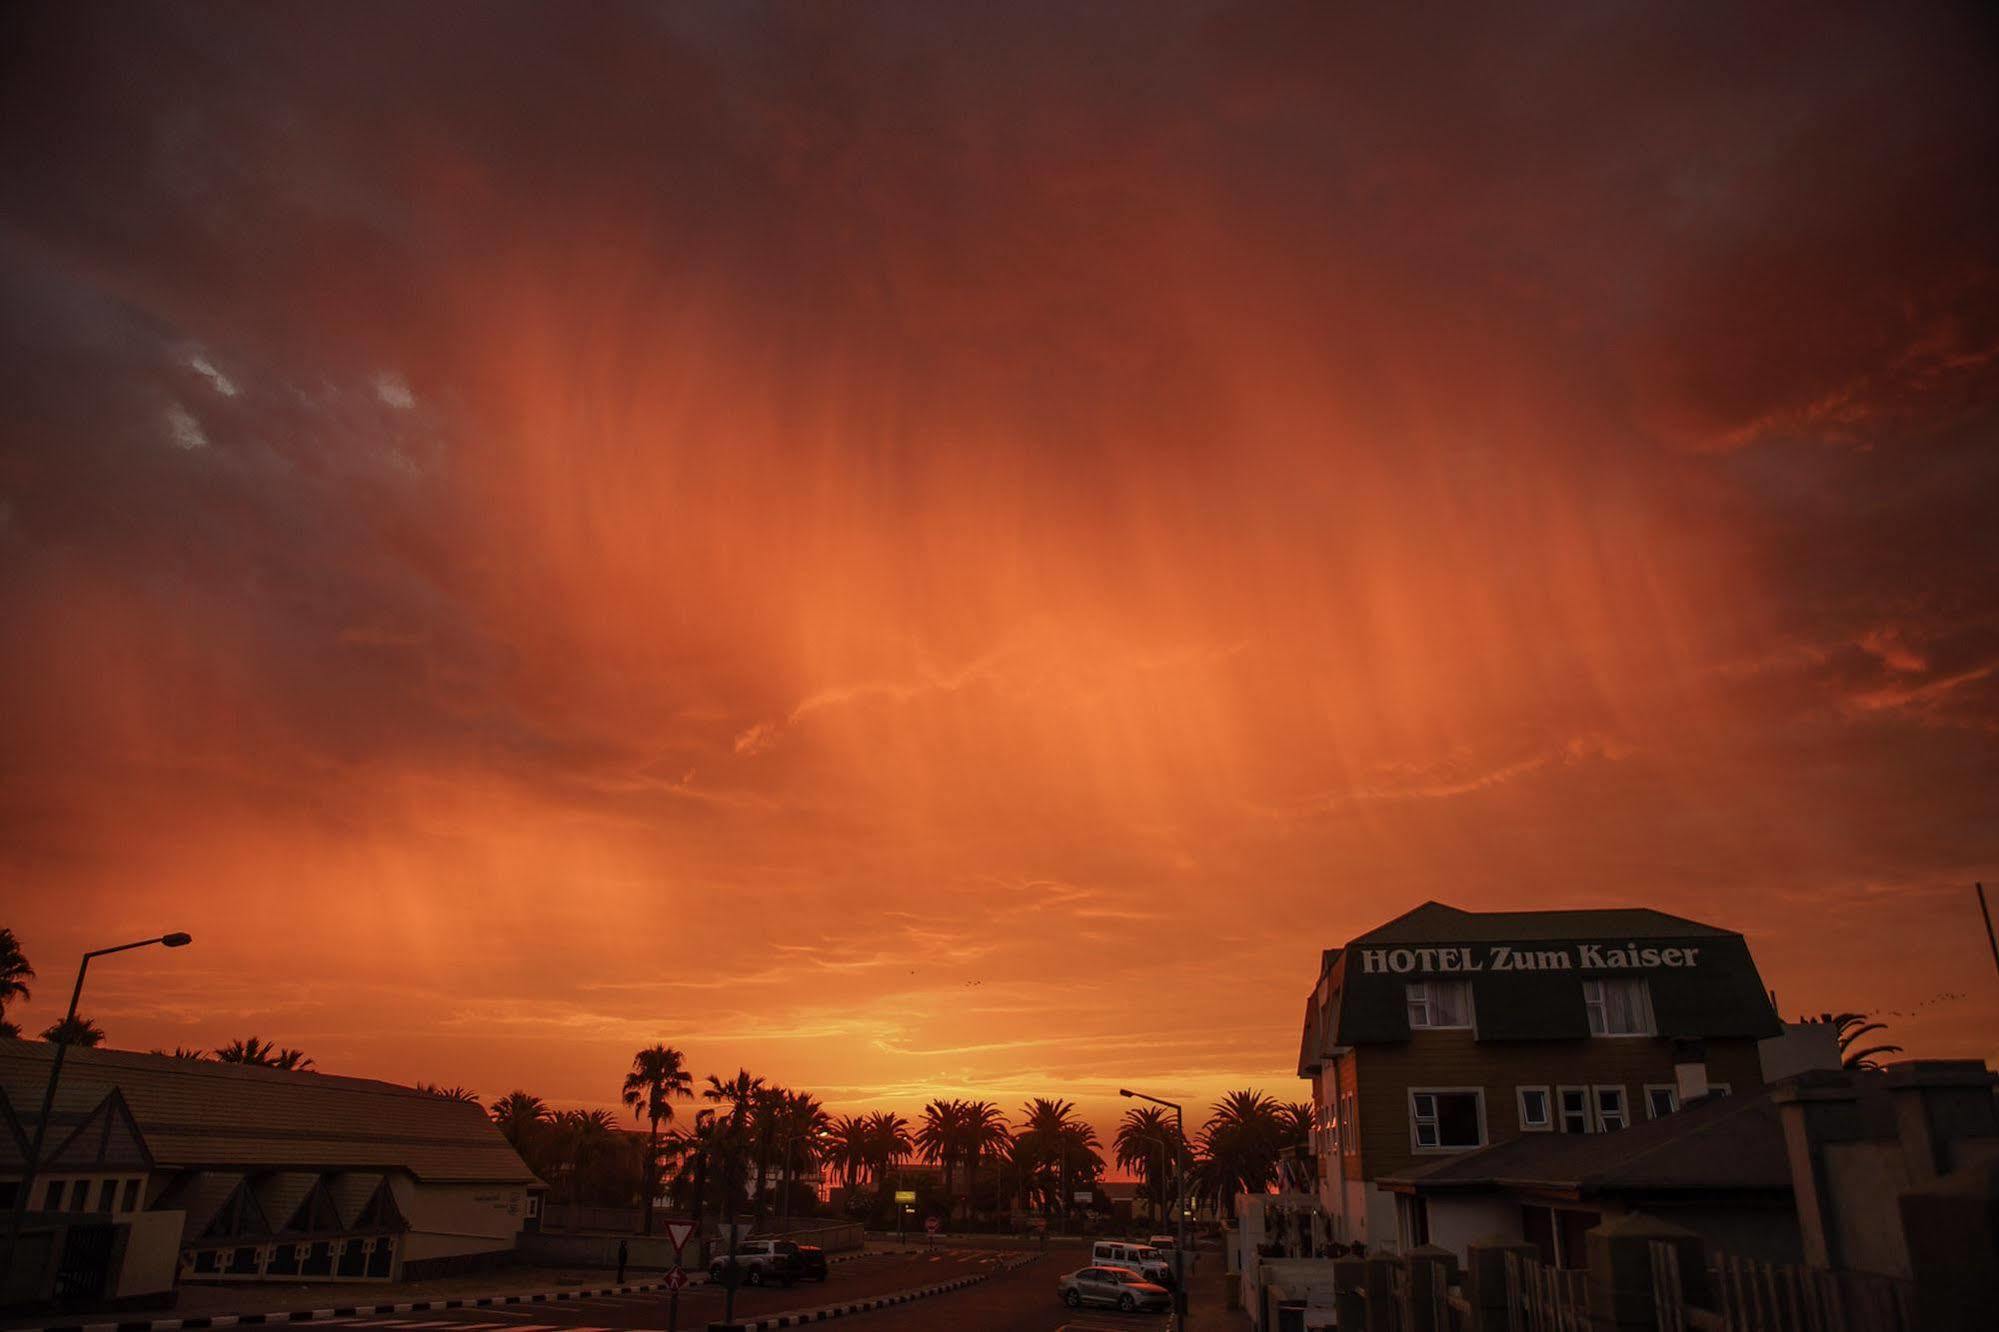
(1720, 1144)
(197, 1113)
(1435, 922)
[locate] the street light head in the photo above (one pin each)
(1124, 1091)
(177, 940)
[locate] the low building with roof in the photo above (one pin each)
(1718, 1168)
(1446, 1031)
(276, 1175)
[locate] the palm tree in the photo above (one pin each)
(1849, 1028)
(182, 1052)
(940, 1137)
(296, 1060)
(15, 973)
(1143, 1139)
(888, 1142)
(739, 1094)
(657, 1077)
(520, 1118)
(1050, 1139)
(587, 1137)
(769, 1111)
(986, 1134)
(464, 1094)
(78, 1030)
(804, 1128)
(1294, 1125)
(1239, 1146)
(248, 1051)
(693, 1150)
(847, 1147)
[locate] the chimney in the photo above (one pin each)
(1690, 1070)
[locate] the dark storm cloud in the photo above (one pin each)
(849, 453)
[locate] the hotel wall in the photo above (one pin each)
(1385, 1073)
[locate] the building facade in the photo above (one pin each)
(265, 1174)
(1445, 1031)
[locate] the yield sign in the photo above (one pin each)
(679, 1232)
(676, 1279)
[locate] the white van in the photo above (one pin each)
(1143, 1259)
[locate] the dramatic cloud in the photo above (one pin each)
(935, 549)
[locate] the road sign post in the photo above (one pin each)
(675, 1279)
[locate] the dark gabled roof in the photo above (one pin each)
(200, 1114)
(1435, 922)
(1722, 1144)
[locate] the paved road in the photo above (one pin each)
(859, 1278)
(1020, 1301)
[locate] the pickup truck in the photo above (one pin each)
(758, 1263)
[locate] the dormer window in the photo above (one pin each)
(1438, 1004)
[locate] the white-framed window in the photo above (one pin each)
(534, 1205)
(1446, 1119)
(1437, 1004)
(1572, 1103)
(1612, 1112)
(1618, 1008)
(1537, 1109)
(107, 1195)
(1661, 1099)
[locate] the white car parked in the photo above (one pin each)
(1147, 1261)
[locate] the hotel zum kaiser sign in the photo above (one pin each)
(1510, 957)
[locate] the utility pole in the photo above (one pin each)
(29, 1166)
(1986, 912)
(1180, 1205)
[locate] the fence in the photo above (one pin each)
(1748, 1296)
(1506, 1288)
(1540, 1298)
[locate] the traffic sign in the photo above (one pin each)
(676, 1278)
(679, 1232)
(930, 1223)
(905, 1195)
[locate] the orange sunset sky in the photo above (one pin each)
(949, 550)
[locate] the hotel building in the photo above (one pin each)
(1444, 1031)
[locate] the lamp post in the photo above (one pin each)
(1180, 1203)
(28, 1167)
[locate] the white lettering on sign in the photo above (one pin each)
(1512, 957)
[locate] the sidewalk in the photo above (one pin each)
(218, 1306)
(1207, 1299)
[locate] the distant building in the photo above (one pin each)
(275, 1175)
(1447, 1031)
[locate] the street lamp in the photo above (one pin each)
(1180, 1208)
(28, 1167)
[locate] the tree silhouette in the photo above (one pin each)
(657, 1077)
(520, 1118)
(1849, 1028)
(78, 1030)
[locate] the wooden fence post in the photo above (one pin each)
(1621, 1294)
(1381, 1316)
(1423, 1312)
(1485, 1282)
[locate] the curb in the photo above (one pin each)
(799, 1317)
(191, 1324)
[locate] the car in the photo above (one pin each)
(758, 1263)
(1118, 1287)
(811, 1262)
(1143, 1259)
